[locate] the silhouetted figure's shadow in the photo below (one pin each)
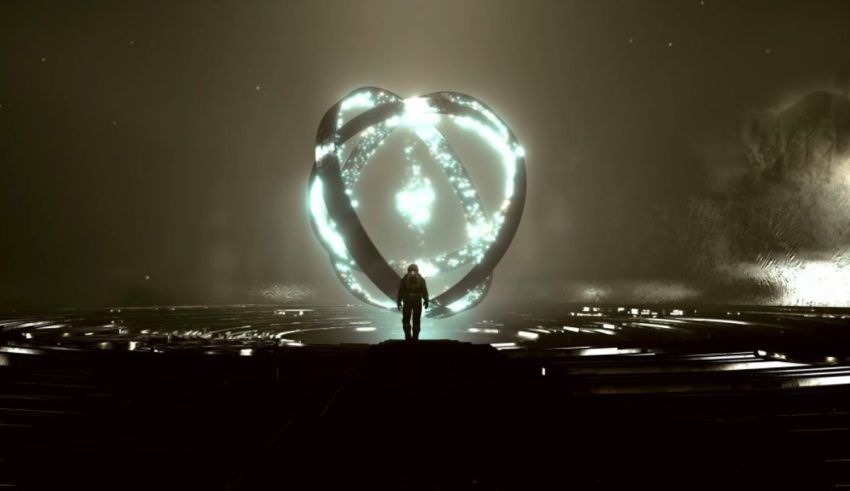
(412, 295)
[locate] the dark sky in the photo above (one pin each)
(159, 151)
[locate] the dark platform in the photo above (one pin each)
(432, 415)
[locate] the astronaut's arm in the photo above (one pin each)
(425, 296)
(401, 292)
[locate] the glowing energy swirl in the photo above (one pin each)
(362, 121)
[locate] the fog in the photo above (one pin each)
(159, 153)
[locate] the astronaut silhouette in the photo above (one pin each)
(412, 295)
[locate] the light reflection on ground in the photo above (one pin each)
(783, 334)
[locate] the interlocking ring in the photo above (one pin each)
(362, 121)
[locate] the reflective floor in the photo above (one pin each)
(251, 397)
(792, 335)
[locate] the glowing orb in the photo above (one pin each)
(362, 121)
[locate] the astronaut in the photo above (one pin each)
(412, 295)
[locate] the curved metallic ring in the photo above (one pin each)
(363, 120)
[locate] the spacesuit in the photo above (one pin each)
(412, 295)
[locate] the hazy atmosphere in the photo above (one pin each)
(159, 152)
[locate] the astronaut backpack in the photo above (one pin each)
(414, 283)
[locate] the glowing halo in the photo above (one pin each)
(335, 221)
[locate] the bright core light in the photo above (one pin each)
(415, 200)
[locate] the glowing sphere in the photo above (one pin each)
(362, 121)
